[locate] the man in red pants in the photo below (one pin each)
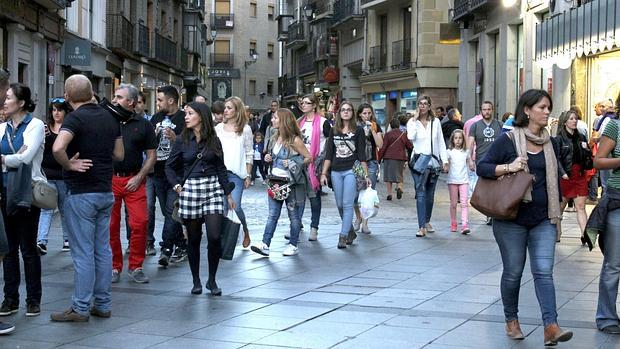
(129, 185)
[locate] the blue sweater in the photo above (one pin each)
(503, 152)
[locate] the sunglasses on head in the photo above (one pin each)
(57, 100)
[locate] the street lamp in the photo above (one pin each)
(308, 11)
(213, 35)
(253, 58)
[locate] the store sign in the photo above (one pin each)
(408, 94)
(378, 96)
(224, 73)
(77, 51)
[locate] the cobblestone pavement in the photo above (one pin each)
(389, 290)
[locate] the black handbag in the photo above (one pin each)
(230, 234)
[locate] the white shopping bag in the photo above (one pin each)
(369, 203)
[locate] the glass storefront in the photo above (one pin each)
(408, 100)
(378, 104)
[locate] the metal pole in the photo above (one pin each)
(245, 81)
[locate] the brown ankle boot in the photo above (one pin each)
(554, 334)
(513, 330)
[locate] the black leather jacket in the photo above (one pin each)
(566, 151)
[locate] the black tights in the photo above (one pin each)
(214, 248)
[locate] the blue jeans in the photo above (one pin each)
(539, 241)
(88, 220)
(315, 209)
(150, 208)
(606, 313)
(172, 232)
(424, 195)
(275, 208)
(604, 175)
(237, 195)
(373, 171)
(593, 187)
(345, 191)
(45, 219)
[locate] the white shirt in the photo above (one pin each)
(421, 137)
(34, 138)
(238, 149)
(306, 133)
(458, 173)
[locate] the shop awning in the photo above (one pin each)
(590, 28)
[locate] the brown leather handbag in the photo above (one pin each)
(500, 198)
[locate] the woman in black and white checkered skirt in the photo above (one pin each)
(201, 198)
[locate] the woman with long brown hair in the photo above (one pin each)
(237, 142)
(288, 156)
(346, 145)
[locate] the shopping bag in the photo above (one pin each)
(369, 203)
(230, 234)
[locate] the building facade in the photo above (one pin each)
(408, 54)
(31, 35)
(567, 48)
(244, 58)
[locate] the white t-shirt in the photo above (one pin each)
(306, 134)
(458, 167)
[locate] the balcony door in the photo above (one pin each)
(222, 53)
(222, 7)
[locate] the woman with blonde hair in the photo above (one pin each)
(237, 143)
(288, 156)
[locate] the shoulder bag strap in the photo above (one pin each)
(396, 140)
(198, 157)
(9, 138)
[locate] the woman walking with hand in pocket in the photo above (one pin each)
(346, 145)
(201, 197)
(288, 156)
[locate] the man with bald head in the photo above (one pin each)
(88, 144)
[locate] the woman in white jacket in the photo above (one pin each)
(429, 158)
(238, 145)
(21, 143)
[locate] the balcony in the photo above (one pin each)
(478, 4)
(184, 62)
(165, 50)
(53, 4)
(193, 38)
(346, 10)
(305, 64)
(287, 85)
(144, 40)
(352, 53)
(222, 21)
(401, 54)
(297, 36)
(222, 60)
(461, 9)
(196, 6)
(324, 48)
(284, 20)
(323, 10)
(377, 59)
(117, 39)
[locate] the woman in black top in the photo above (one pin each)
(345, 145)
(201, 197)
(58, 109)
(529, 147)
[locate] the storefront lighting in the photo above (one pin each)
(509, 3)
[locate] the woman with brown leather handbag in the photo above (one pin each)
(534, 228)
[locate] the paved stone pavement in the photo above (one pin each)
(389, 290)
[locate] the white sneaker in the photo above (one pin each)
(356, 224)
(290, 250)
(314, 232)
(261, 249)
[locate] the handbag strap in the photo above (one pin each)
(396, 140)
(198, 157)
(9, 138)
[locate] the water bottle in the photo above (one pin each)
(164, 143)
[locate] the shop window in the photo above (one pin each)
(253, 10)
(252, 88)
(270, 50)
(270, 88)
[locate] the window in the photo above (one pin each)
(252, 88)
(270, 88)
(270, 50)
(253, 9)
(252, 47)
(270, 12)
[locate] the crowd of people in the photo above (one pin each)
(197, 160)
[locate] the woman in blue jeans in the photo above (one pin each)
(58, 109)
(424, 131)
(608, 157)
(238, 146)
(288, 156)
(346, 145)
(374, 140)
(528, 147)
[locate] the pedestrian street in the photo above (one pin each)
(388, 290)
